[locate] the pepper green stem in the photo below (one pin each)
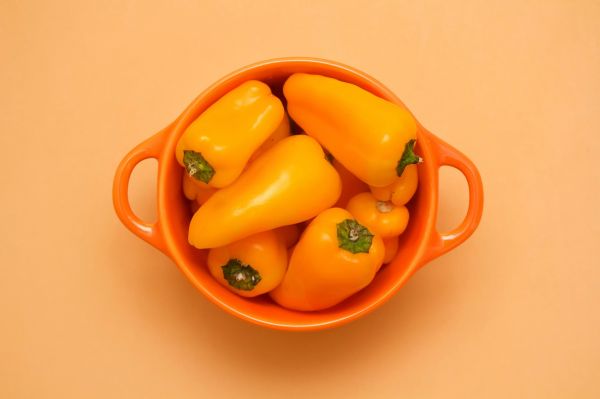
(354, 237)
(240, 276)
(197, 167)
(408, 157)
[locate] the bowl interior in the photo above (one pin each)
(175, 213)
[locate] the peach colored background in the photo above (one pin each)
(88, 310)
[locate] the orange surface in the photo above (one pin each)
(89, 310)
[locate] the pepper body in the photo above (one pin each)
(327, 266)
(366, 133)
(188, 187)
(383, 218)
(291, 182)
(195, 190)
(402, 188)
(351, 185)
(251, 266)
(282, 131)
(391, 249)
(217, 145)
(194, 207)
(289, 234)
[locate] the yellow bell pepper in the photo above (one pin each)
(289, 234)
(383, 218)
(291, 182)
(350, 184)
(335, 258)
(282, 131)
(194, 207)
(391, 249)
(373, 138)
(195, 190)
(402, 188)
(190, 190)
(215, 148)
(252, 266)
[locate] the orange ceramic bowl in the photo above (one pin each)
(420, 243)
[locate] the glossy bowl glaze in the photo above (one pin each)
(420, 243)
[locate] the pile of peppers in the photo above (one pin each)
(307, 217)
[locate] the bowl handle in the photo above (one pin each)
(150, 148)
(445, 154)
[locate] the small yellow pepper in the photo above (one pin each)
(202, 195)
(251, 266)
(291, 182)
(289, 234)
(382, 218)
(335, 258)
(190, 190)
(195, 190)
(194, 207)
(215, 148)
(282, 131)
(351, 185)
(391, 249)
(373, 138)
(401, 190)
